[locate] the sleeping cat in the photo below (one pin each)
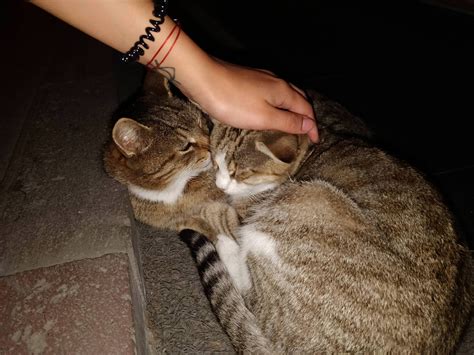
(163, 157)
(354, 252)
(347, 248)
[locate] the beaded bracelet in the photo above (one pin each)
(160, 10)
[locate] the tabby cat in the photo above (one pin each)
(163, 157)
(354, 251)
(341, 248)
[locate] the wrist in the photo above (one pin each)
(181, 61)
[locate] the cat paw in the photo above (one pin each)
(229, 253)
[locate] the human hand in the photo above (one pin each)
(254, 99)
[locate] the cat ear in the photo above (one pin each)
(131, 137)
(156, 83)
(282, 149)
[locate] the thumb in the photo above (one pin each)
(290, 122)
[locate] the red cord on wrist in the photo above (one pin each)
(163, 44)
(171, 48)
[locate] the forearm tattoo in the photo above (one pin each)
(155, 64)
(168, 72)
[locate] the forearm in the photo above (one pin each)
(238, 96)
(119, 24)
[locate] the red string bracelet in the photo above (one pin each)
(171, 48)
(162, 45)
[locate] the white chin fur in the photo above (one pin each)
(231, 186)
(173, 191)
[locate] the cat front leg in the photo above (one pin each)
(224, 221)
(228, 250)
(230, 255)
(222, 218)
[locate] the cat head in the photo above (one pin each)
(250, 162)
(164, 149)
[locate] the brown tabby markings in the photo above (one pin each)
(165, 162)
(365, 257)
(351, 251)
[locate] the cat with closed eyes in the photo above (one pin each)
(341, 247)
(163, 156)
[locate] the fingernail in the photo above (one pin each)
(307, 125)
(313, 136)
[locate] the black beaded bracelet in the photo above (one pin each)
(160, 10)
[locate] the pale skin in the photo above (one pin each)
(241, 97)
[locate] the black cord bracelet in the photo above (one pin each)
(160, 10)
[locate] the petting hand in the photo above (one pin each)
(241, 97)
(254, 99)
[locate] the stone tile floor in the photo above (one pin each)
(66, 273)
(80, 307)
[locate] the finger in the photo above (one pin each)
(289, 99)
(290, 122)
(313, 134)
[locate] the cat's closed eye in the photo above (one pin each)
(187, 147)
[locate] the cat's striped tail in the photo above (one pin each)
(226, 301)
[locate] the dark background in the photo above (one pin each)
(406, 67)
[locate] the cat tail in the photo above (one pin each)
(226, 301)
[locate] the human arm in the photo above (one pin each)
(242, 97)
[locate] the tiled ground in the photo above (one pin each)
(65, 280)
(82, 307)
